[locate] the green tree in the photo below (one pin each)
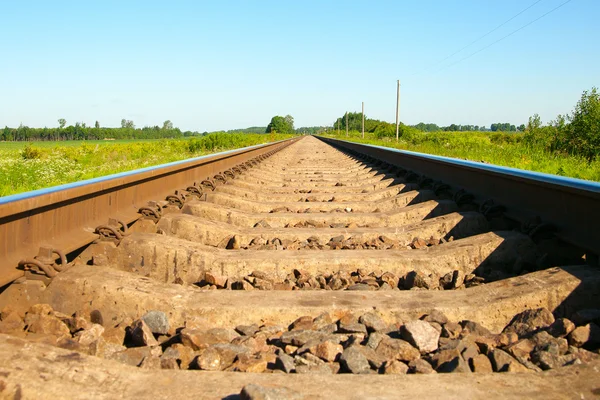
(62, 122)
(281, 124)
(583, 134)
(167, 125)
(126, 123)
(97, 125)
(354, 121)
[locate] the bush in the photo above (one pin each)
(31, 153)
(583, 133)
(577, 134)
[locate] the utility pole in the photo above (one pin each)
(363, 119)
(398, 110)
(346, 123)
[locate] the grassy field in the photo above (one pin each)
(70, 143)
(29, 166)
(506, 149)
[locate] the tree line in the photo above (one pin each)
(81, 131)
(386, 128)
(577, 133)
(496, 127)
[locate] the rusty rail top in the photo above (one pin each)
(65, 216)
(569, 204)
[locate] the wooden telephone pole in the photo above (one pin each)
(363, 119)
(398, 110)
(346, 123)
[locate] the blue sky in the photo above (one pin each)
(231, 64)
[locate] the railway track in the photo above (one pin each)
(303, 269)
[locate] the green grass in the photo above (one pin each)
(71, 143)
(37, 165)
(506, 149)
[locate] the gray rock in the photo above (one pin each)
(450, 361)
(132, 356)
(209, 360)
(480, 364)
(257, 392)
(352, 328)
(547, 360)
(470, 350)
(308, 359)
(584, 355)
(503, 362)
(150, 362)
(475, 328)
(374, 339)
(375, 360)
(561, 327)
(329, 328)
(323, 322)
(373, 322)
(530, 321)
(199, 339)
(320, 369)
(262, 284)
(587, 335)
(421, 366)
(228, 352)
(415, 280)
(395, 367)
(451, 330)
(397, 349)
(421, 335)
(543, 341)
(302, 323)
(328, 351)
(272, 329)
(349, 324)
(337, 239)
(247, 330)
(354, 361)
(436, 316)
(522, 348)
(157, 321)
(179, 353)
(301, 337)
(285, 363)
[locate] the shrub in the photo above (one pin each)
(31, 153)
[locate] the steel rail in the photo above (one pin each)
(571, 205)
(65, 217)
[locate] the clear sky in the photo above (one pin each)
(232, 64)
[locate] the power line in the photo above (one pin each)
(504, 37)
(479, 38)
